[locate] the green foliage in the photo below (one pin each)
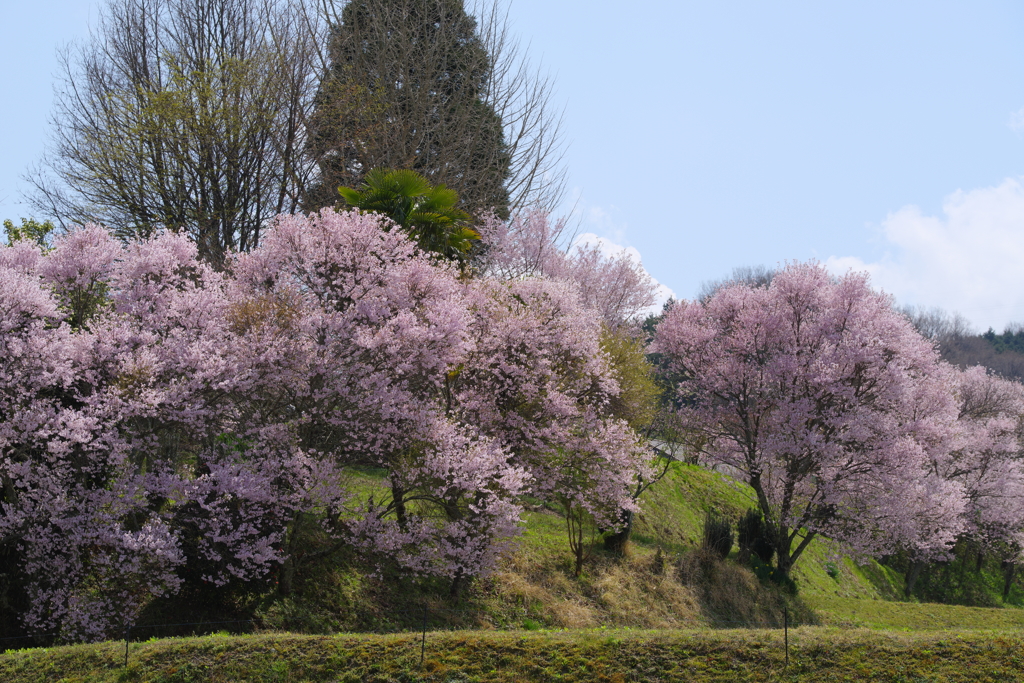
(717, 534)
(428, 213)
(972, 576)
(30, 230)
(637, 402)
(1009, 340)
(752, 536)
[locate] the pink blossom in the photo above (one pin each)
(825, 400)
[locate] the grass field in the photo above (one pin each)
(815, 654)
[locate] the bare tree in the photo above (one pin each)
(187, 115)
(937, 324)
(755, 276)
(198, 116)
(426, 85)
(522, 96)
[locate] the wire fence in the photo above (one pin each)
(420, 620)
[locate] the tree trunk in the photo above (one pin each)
(783, 548)
(285, 584)
(616, 542)
(1009, 570)
(398, 496)
(915, 571)
(458, 582)
(980, 561)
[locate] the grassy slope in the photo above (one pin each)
(536, 589)
(816, 654)
(674, 513)
(833, 590)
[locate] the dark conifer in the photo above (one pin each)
(406, 90)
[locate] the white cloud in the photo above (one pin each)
(607, 227)
(1016, 122)
(969, 260)
(609, 249)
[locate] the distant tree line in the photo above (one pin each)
(1012, 339)
(961, 346)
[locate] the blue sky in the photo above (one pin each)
(886, 136)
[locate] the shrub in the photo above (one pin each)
(717, 534)
(752, 537)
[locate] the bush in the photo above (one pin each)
(769, 574)
(717, 534)
(752, 537)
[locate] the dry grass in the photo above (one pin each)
(689, 590)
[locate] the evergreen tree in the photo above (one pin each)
(407, 90)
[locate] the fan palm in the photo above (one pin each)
(427, 212)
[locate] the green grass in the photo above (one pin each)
(912, 616)
(815, 654)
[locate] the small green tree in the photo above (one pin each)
(31, 230)
(637, 403)
(753, 538)
(427, 212)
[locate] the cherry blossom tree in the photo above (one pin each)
(158, 413)
(826, 402)
(539, 382)
(984, 460)
(532, 245)
(74, 507)
(373, 328)
(164, 423)
(987, 457)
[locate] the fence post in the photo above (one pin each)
(423, 642)
(785, 631)
(127, 633)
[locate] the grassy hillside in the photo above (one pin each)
(667, 611)
(664, 582)
(815, 654)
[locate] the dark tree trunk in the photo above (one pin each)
(1009, 570)
(459, 582)
(398, 496)
(783, 549)
(286, 583)
(912, 575)
(616, 542)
